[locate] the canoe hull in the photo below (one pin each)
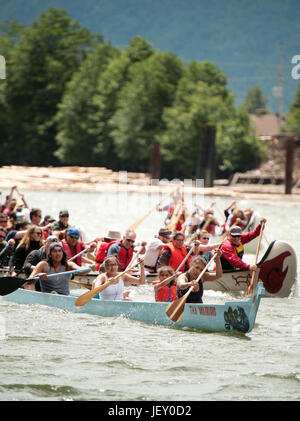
(237, 316)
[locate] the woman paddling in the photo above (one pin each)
(56, 263)
(115, 291)
(189, 278)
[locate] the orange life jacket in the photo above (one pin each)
(167, 293)
(177, 256)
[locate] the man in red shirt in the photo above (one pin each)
(233, 250)
(73, 245)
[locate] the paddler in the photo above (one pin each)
(124, 249)
(56, 263)
(115, 291)
(73, 246)
(189, 278)
(154, 249)
(233, 250)
(174, 253)
(165, 286)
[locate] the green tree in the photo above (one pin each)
(109, 87)
(293, 115)
(237, 149)
(201, 98)
(49, 51)
(9, 38)
(255, 100)
(76, 138)
(138, 120)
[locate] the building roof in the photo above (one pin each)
(265, 124)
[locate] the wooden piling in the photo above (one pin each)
(289, 163)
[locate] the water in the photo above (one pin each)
(50, 354)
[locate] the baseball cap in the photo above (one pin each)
(164, 232)
(53, 245)
(49, 218)
(52, 239)
(64, 212)
(235, 231)
(73, 231)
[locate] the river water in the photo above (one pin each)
(50, 354)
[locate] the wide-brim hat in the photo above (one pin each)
(113, 235)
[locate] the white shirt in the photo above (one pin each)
(152, 252)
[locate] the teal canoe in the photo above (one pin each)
(232, 316)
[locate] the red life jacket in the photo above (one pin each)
(102, 252)
(68, 251)
(125, 256)
(177, 256)
(166, 293)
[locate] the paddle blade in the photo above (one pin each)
(87, 296)
(9, 284)
(175, 309)
(139, 221)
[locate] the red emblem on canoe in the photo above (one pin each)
(271, 273)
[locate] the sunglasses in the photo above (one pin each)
(75, 237)
(2, 236)
(38, 233)
(205, 238)
(130, 241)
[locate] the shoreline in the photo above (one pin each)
(101, 180)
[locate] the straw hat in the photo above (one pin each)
(113, 235)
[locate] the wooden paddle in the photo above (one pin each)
(9, 284)
(175, 309)
(251, 286)
(79, 254)
(87, 286)
(140, 220)
(87, 296)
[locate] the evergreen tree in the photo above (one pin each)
(49, 51)
(255, 102)
(293, 115)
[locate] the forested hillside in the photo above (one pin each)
(240, 36)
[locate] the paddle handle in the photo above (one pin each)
(185, 259)
(86, 297)
(79, 254)
(250, 289)
(51, 275)
(213, 258)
